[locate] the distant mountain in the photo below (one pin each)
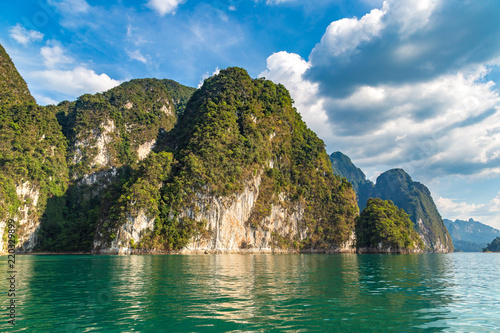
(470, 236)
(413, 197)
(343, 166)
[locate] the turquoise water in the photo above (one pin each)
(255, 293)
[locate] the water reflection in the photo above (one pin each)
(239, 293)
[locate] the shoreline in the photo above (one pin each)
(212, 252)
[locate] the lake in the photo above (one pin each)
(254, 293)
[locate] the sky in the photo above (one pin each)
(392, 84)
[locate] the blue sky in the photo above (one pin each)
(411, 84)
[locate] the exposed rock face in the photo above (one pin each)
(28, 194)
(228, 229)
(387, 250)
(129, 234)
(248, 176)
(98, 141)
(144, 149)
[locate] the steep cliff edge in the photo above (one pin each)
(413, 197)
(246, 174)
(32, 158)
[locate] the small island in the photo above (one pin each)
(494, 246)
(384, 228)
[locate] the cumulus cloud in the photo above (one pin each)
(363, 89)
(54, 55)
(75, 82)
(486, 213)
(405, 41)
(164, 6)
(24, 36)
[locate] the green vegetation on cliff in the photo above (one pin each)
(415, 198)
(494, 246)
(105, 132)
(382, 225)
(13, 88)
(139, 156)
(235, 128)
(32, 150)
(123, 119)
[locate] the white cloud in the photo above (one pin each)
(23, 36)
(448, 123)
(405, 41)
(486, 213)
(288, 69)
(164, 6)
(137, 55)
(206, 76)
(343, 37)
(135, 37)
(71, 6)
(54, 55)
(44, 100)
(74, 82)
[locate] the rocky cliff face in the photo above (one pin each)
(239, 181)
(139, 169)
(415, 198)
(227, 225)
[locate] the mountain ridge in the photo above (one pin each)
(397, 186)
(470, 236)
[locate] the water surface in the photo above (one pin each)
(255, 293)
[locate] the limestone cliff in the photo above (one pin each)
(109, 134)
(152, 166)
(245, 174)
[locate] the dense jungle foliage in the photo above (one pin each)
(383, 225)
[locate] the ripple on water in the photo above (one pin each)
(234, 293)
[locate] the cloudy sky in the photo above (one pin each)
(411, 84)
